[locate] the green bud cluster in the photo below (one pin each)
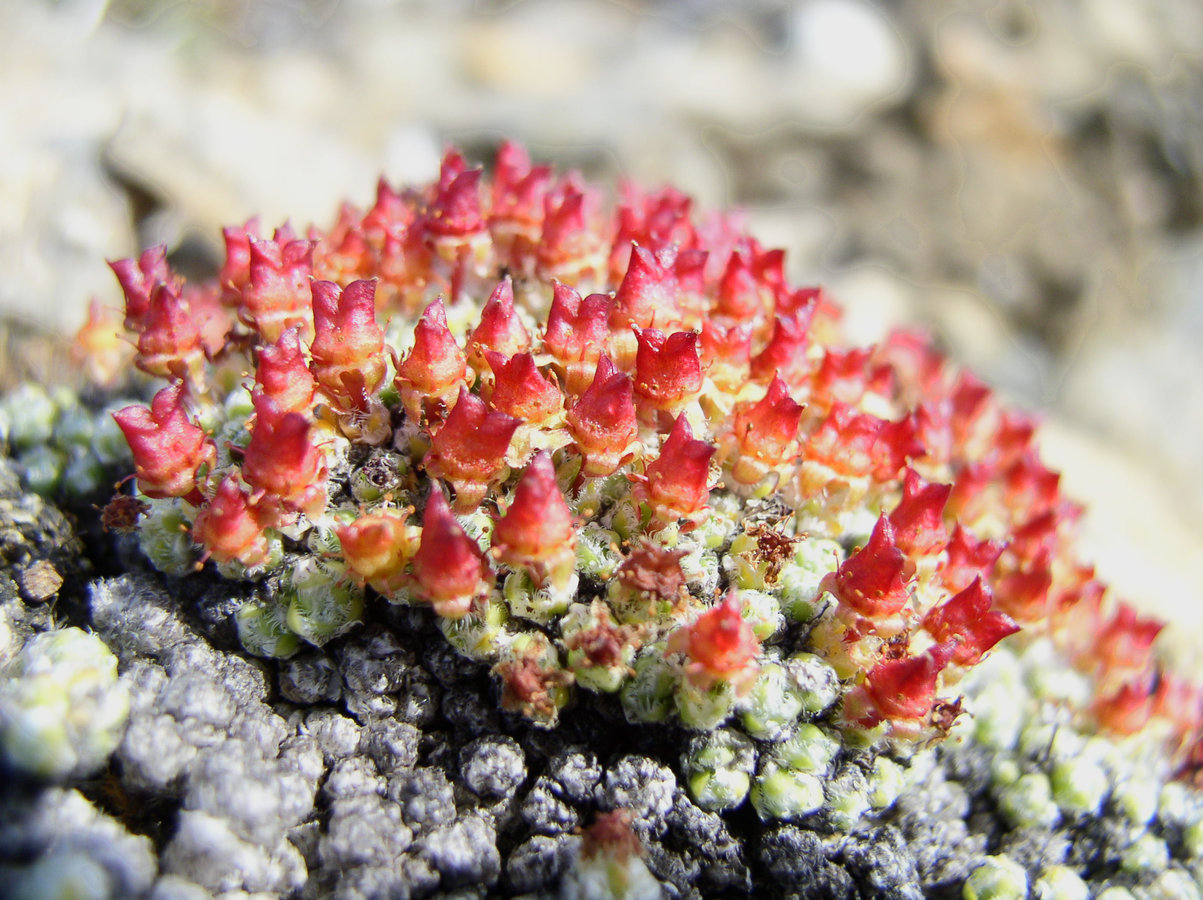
(62, 446)
(62, 707)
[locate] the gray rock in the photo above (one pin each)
(493, 767)
(426, 797)
(206, 850)
(540, 861)
(391, 744)
(310, 678)
(543, 810)
(578, 774)
(463, 852)
(364, 830)
(643, 786)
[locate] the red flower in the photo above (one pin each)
(874, 581)
(168, 449)
(230, 527)
(282, 374)
(654, 219)
(521, 390)
(742, 293)
(282, 462)
(647, 295)
(765, 433)
(720, 645)
(449, 570)
(277, 294)
(1023, 592)
(454, 216)
(236, 268)
(855, 443)
(519, 188)
(538, 526)
(905, 689)
(571, 247)
(785, 353)
(918, 518)
(139, 278)
(603, 421)
(676, 484)
(668, 373)
(469, 449)
(577, 334)
(500, 328)
(1128, 709)
(1126, 640)
(170, 344)
(968, 619)
(846, 375)
(348, 344)
(725, 353)
(968, 558)
(435, 368)
(377, 548)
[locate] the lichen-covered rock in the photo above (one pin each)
(606, 568)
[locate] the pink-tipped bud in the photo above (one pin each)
(725, 353)
(455, 212)
(969, 558)
(170, 344)
(720, 645)
(518, 192)
(855, 443)
(435, 368)
(230, 527)
(281, 460)
(1023, 592)
(469, 449)
(571, 246)
(647, 296)
(521, 390)
(500, 328)
(577, 334)
(236, 268)
(537, 528)
(785, 353)
(277, 294)
(918, 519)
(449, 569)
(765, 432)
(668, 372)
(602, 422)
(1125, 642)
(846, 376)
(741, 295)
(168, 449)
(676, 485)
(347, 341)
(904, 689)
(1128, 709)
(377, 548)
(138, 279)
(968, 619)
(873, 582)
(283, 375)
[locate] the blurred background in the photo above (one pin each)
(1024, 179)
